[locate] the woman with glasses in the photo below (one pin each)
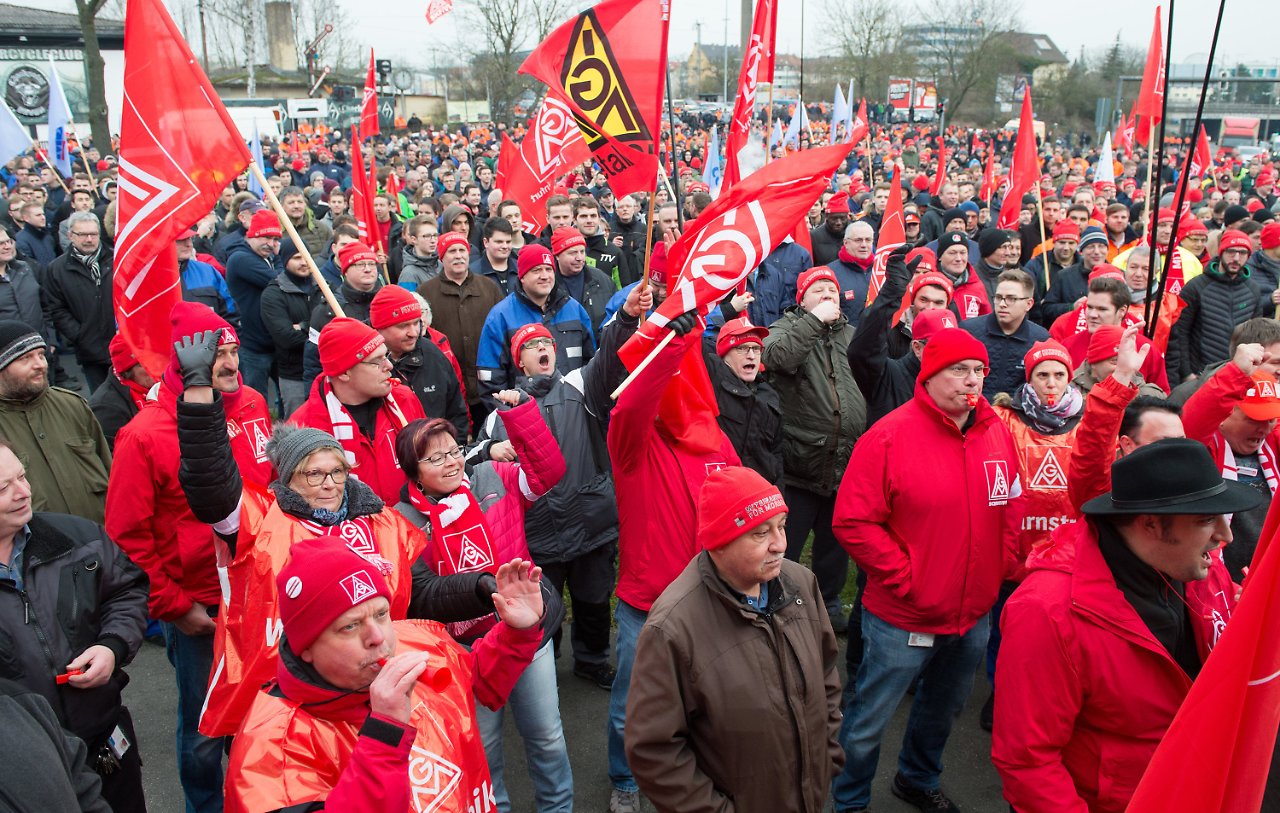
(316, 492)
(474, 521)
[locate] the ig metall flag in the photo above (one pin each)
(59, 124)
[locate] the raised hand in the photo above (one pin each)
(518, 600)
(196, 355)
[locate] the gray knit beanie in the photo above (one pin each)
(290, 444)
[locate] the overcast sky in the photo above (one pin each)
(399, 30)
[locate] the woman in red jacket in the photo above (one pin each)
(474, 520)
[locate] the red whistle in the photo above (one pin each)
(1050, 400)
(62, 680)
(437, 679)
(971, 399)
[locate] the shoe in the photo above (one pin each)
(926, 800)
(839, 621)
(601, 674)
(624, 801)
(986, 718)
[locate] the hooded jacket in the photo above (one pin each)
(416, 270)
(935, 555)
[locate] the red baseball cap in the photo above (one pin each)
(739, 331)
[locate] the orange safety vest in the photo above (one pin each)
(285, 756)
(249, 627)
(1044, 460)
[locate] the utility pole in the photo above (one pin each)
(724, 96)
(251, 45)
(204, 37)
(701, 55)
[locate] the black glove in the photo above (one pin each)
(196, 355)
(684, 323)
(486, 587)
(915, 263)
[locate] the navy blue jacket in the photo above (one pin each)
(248, 275)
(1004, 353)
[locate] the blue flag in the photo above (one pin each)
(14, 138)
(59, 124)
(799, 122)
(712, 172)
(255, 149)
(839, 111)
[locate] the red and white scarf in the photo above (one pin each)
(1266, 461)
(344, 428)
(459, 541)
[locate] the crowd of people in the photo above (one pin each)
(361, 533)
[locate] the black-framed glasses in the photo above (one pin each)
(1001, 299)
(439, 458)
(315, 477)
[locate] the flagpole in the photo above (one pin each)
(648, 240)
(1153, 205)
(84, 158)
(671, 120)
(297, 241)
(57, 174)
(871, 173)
(768, 127)
(1167, 259)
(653, 354)
(1040, 217)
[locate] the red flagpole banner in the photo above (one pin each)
(551, 147)
(607, 65)
(861, 125)
(893, 233)
(1201, 158)
(941, 177)
(1024, 173)
(1150, 104)
(759, 47)
(989, 174)
(369, 106)
(361, 196)
(178, 150)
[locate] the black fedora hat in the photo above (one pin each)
(1171, 476)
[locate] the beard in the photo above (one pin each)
(26, 389)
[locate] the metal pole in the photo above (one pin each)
(1153, 202)
(724, 96)
(204, 37)
(675, 174)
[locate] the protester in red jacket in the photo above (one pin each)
(930, 509)
(1100, 641)
(148, 516)
(657, 479)
(368, 715)
(359, 402)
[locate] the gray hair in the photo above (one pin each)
(84, 217)
(858, 225)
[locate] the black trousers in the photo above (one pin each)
(590, 578)
(122, 787)
(808, 511)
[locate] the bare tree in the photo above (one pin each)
(864, 39)
(966, 45)
(94, 66)
(500, 30)
(339, 50)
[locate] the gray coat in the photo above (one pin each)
(20, 298)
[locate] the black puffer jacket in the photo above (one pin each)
(79, 590)
(212, 485)
(288, 301)
(355, 305)
(113, 406)
(631, 256)
(430, 375)
(751, 416)
(81, 308)
(1216, 306)
(886, 380)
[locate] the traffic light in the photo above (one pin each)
(384, 70)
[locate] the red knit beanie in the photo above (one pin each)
(930, 278)
(1106, 270)
(346, 342)
(565, 238)
(927, 323)
(393, 305)
(353, 253)
(920, 182)
(532, 256)
(811, 276)
(264, 224)
(734, 500)
(1066, 230)
(1234, 238)
(1047, 350)
(527, 334)
(322, 580)
(1270, 237)
(928, 261)
(949, 346)
(193, 318)
(658, 265)
(1103, 344)
(450, 239)
(122, 358)
(838, 204)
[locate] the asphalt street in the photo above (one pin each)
(969, 777)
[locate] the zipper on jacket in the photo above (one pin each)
(778, 642)
(34, 623)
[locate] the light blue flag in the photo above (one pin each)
(775, 138)
(255, 149)
(849, 112)
(59, 124)
(711, 170)
(14, 137)
(839, 111)
(800, 121)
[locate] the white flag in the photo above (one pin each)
(14, 137)
(59, 124)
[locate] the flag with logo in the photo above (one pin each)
(608, 65)
(859, 124)
(1216, 755)
(59, 124)
(1149, 106)
(255, 151)
(1024, 172)
(552, 146)
(437, 9)
(759, 49)
(711, 259)
(14, 137)
(893, 233)
(361, 205)
(178, 150)
(711, 172)
(369, 102)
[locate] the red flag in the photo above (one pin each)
(893, 233)
(294, 151)
(861, 125)
(762, 25)
(178, 150)
(715, 253)
(1148, 108)
(369, 107)
(551, 147)
(607, 64)
(941, 177)
(1024, 172)
(1216, 755)
(1129, 127)
(800, 233)
(437, 9)
(1201, 158)
(361, 196)
(989, 175)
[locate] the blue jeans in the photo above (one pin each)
(535, 703)
(630, 620)
(889, 667)
(255, 368)
(993, 644)
(199, 757)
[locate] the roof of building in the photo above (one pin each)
(1037, 47)
(37, 23)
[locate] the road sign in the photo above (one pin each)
(308, 108)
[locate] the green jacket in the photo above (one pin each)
(823, 411)
(59, 442)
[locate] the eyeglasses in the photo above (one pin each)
(316, 477)
(537, 344)
(377, 362)
(964, 371)
(439, 458)
(1001, 299)
(84, 234)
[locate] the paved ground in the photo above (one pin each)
(969, 777)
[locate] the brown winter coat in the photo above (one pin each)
(459, 311)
